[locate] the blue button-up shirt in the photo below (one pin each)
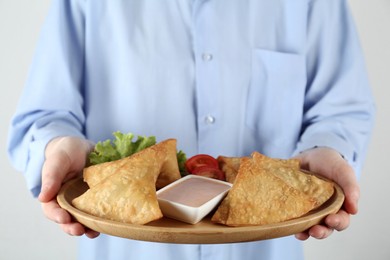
(223, 77)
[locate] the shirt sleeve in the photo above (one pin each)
(51, 104)
(339, 109)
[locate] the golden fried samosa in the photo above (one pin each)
(128, 193)
(230, 166)
(169, 171)
(96, 173)
(258, 197)
(289, 171)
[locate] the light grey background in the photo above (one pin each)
(26, 234)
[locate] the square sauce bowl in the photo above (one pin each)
(191, 198)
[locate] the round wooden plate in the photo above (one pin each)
(205, 232)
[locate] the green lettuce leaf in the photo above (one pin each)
(181, 160)
(121, 147)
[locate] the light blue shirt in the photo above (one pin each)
(223, 77)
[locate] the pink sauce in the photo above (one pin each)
(193, 192)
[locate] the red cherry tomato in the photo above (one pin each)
(200, 160)
(210, 172)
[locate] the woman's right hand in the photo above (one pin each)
(65, 158)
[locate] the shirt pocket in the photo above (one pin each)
(276, 95)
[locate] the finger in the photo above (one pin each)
(317, 231)
(55, 213)
(91, 233)
(302, 236)
(77, 229)
(54, 170)
(352, 195)
(339, 221)
(73, 229)
(320, 232)
(349, 184)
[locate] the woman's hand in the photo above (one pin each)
(65, 158)
(330, 164)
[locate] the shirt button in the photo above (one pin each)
(207, 56)
(210, 119)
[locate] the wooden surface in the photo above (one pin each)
(172, 231)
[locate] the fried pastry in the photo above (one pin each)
(126, 190)
(230, 166)
(169, 170)
(262, 194)
(289, 171)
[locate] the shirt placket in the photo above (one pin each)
(205, 56)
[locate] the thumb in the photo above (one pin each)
(348, 182)
(54, 171)
(65, 159)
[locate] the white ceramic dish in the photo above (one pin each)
(191, 198)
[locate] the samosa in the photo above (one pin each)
(125, 190)
(268, 191)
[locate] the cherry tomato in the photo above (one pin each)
(200, 160)
(210, 172)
